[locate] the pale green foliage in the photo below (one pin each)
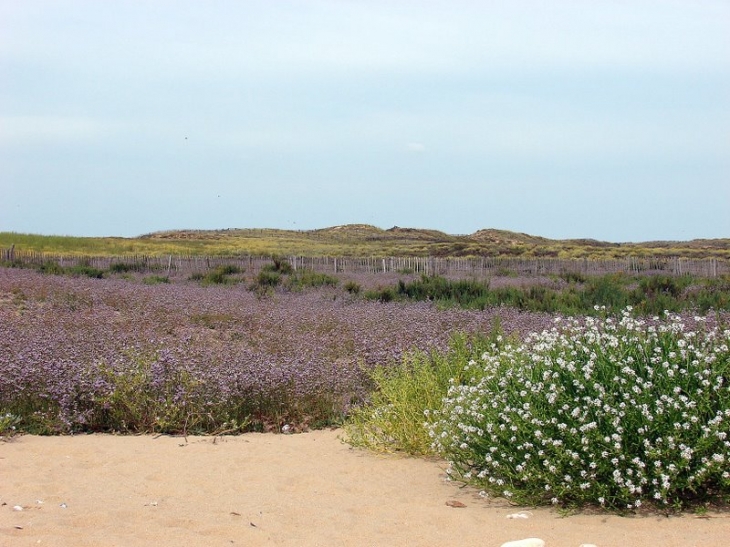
(7, 425)
(396, 418)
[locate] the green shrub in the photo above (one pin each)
(280, 265)
(229, 269)
(381, 294)
(713, 295)
(221, 275)
(126, 267)
(573, 277)
(308, 278)
(155, 279)
(352, 287)
(506, 272)
(607, 290)
(268, 278)
(652, 286)
(467, 293)
(86, 270)
(610, 412)
(216, 277)
(513, 297)
(51, 267)
(658, 293)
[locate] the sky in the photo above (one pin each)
(563, 119)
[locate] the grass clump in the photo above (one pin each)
(616, 412)
(659, 293)
(155, 279)
(353, 287)
(381, 294)
(713, 295)
(605, 290)
(302, 279)
(280, 265)
(127, 267)
(267, 279)
(467, 293)
(398, 414)
(84, 270)
(51, 268)
(221, 275)
(280, 271)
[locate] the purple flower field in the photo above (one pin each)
(80, 354)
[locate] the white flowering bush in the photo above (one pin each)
(615, 411)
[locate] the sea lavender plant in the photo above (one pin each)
(81, 354)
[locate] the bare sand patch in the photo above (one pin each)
(264, 489)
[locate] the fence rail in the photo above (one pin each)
(457, 267)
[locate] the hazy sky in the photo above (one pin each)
(564, 119)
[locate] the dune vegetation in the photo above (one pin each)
(572, 389)
(359, 240)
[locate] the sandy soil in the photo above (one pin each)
(263, 489)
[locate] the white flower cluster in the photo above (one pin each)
(611, 411)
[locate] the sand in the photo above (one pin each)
(263, 489)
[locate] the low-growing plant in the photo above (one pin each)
(467, 293)
(51, 267)
(573, 277)
(664, 284)
(307, 278)
(279, 264)
(229, 269)
(353, 287)
(268, 279)
(713, 295)
(659, 293)
(153, 394)
(606, 290)
(72, 300)
(155, 279)
(220, 275)
(126, 267)
(8, 422)
(85, 270)
(70, 343)
(506, 272)
(381, 294)
(649, 295)
(616, 411)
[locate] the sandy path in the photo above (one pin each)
(258, 489)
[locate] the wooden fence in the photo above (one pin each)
(479, 267)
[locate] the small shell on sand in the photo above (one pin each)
(520, 515)
(528, 542)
